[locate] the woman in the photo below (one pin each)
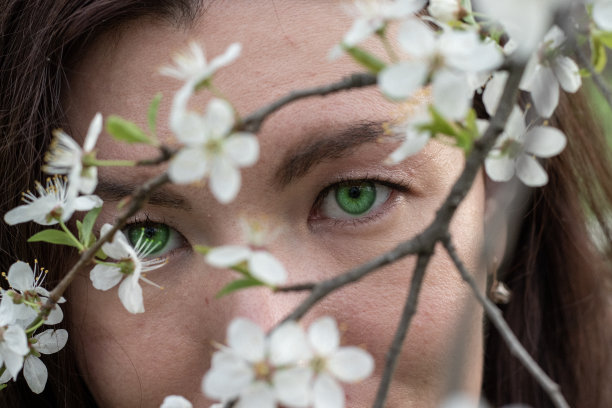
(62, 62)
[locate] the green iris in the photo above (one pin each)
(156, 234)
(356, 197)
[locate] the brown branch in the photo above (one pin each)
(253, 122)
(496, 317)
(165, 154)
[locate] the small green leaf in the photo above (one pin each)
(3, 386)
(79, 225)
(366, 59)
(605, 37)
(88, 223)
(598, 55)
(101, 255)
(152, 113)
(126, 131)
(439, 125)
(237, 285)
(53, 236)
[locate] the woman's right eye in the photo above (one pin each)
(154, 239)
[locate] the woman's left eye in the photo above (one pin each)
(152, 239)
(353, 199)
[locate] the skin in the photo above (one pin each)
(136, 360)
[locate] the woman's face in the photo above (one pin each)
(136, 360)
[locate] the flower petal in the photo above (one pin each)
(413, 143)
(247, 340)
(188, 165)
(545, 141)
(568, 73)
(242, 148)
(401, 80)
(258, 395)
(426, 44)
(176, 401)
(602, 14)
(545, 91)
(87, 202)
(95, 127)
(219, 117)
(327, 393)
(499, 168)
(130, 294)
(51, 341)
(35, 373)
(55, 316)
(229, 376)
(530, 172)
(232, 52)
(21, 276)
(324, 336)
(493, 91)
(267, 268)
(105, 277)
(452, 94)
(224, 180)
(351, 364)
(228, 255)
(288, 345)
(293, 387)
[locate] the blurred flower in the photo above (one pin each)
(176, 401)
(445, 10)
(602, 14)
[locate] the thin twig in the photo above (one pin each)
(410, 308)
(253, 122)
(515, 346)
(137, 201)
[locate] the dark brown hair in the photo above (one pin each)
(560, 280)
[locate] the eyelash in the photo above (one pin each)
(393, 185)
(145, 220)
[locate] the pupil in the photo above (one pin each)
(149, 232)
(354, 192)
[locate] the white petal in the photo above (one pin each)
(176, 401)
(36, 211)
(95, 127)
(359, 31)
(232, 52)
(530, 172)
(228, 255)
(188, 165)
(493, 91)
(568, 74)
(247, 340)
(87, 202)
(452, 94)
(51, 341)
(413, 143)
(267, 268)
(5, 377)
(130, 294)
(228, 377)
(327, 393)
(118, 248)
(351, 364)
(21, 276)
(35, 373)
(602, 15)
(288, 345)
(401, 80)
(219, 117)
(242, 148)
(545, 141)
(293, 386)
(187, 129)
(414, 29)
(545, 91)
(105, 277)
(55, 316)
(324, 336)
(499, 168)
(259, 395)
(224, 180)
(89, 181)
(15, 340)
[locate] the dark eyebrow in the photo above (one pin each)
(337, 143)
(115, 191)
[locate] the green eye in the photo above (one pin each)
(354, 199)
(153, 239)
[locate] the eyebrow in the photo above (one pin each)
(299, 160)
(116, 191)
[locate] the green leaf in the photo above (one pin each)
(366, 59)
(79, 225)
(101, 255)
(237, 285)
(3, 386)
(126, 131)
(598, 55)
(87, 227)
(439, 125)
(605, 37)
(152, 113)
(53, 236)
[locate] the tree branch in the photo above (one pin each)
(515, 346)
(253, 122)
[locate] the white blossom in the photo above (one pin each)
(602, 14)
(55, 201)
(65, 156)
(34, 370)
(445, 10)
(132, 263)
(211, 148)
(414, 139)
(176, 401)
(261, 264)
(452, 58)
(517, 147)
(192, 67)
(13, 340)
(546, 70)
